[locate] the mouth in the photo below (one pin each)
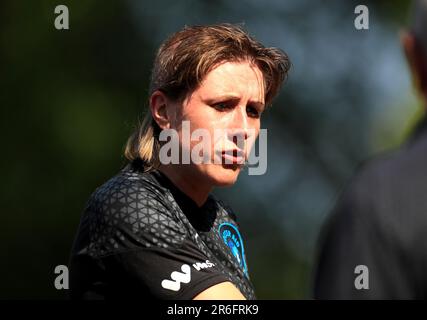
(233, 156)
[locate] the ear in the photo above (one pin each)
(416, 59)
(159, 109)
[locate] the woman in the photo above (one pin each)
(154, 230)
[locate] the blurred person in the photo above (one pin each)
(154, 230)
(380, 221)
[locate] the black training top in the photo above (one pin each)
(141, 237)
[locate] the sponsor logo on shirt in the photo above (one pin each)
(231, 237)
(184, 276)
(203, 265)
(178, 278)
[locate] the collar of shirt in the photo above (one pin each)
(202, 218)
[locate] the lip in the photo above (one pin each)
(233, 156)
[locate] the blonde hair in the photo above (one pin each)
(182, 62)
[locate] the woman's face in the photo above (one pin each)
(228, 106)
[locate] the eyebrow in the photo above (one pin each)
(233, 98)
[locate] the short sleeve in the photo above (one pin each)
(178, 273)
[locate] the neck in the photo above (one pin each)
(191, 185)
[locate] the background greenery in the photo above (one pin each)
(70, 98)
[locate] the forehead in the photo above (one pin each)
(242, 79)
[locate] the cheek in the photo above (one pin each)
(204, 118)
(197, 131)
(253, 135)
(176, 113)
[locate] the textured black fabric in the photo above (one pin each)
(380, 222)
(141, 237)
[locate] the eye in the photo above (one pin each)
(222, 106)
(253, 112)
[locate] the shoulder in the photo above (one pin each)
(396, 175)
(131, 210)
(386, 193)
(129, 188)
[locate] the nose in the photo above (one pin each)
(239, 130)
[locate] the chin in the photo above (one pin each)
(224, 175)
